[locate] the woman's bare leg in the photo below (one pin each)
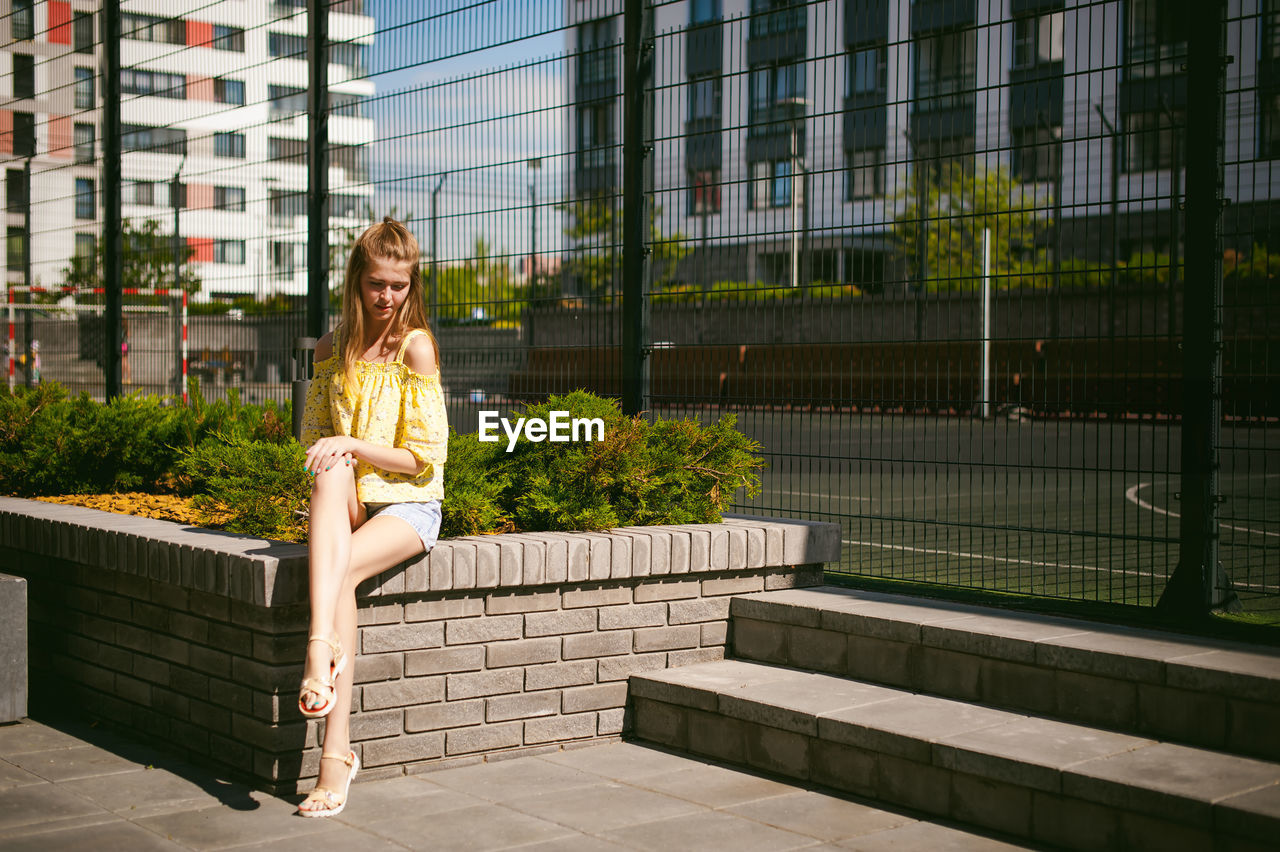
(334, 513)
(376, 546)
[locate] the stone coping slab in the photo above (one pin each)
(273, 573)
(1135, 655)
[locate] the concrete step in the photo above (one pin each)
(1203, 692)
(1050, 782)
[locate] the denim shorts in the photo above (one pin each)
(423, 517)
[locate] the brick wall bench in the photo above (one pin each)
(489, 646)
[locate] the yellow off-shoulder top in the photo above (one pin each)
(390, 405)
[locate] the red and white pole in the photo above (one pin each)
(184, 347)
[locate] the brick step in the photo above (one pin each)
(1203, 692)
(1046, 781)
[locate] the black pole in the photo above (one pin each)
(27, 320)
(1198, 583)
(317, 168)
(113, 247)
(433, 294)
(175, 244)
(1175, 224)
(1115, 219)
(636, 61)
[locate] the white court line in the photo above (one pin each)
(1132, 496)
(1035, 563)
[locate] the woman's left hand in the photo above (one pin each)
(327, 452)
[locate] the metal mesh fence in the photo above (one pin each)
(936, 256)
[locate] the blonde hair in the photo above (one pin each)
(386, 240)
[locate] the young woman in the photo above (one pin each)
(376, 437)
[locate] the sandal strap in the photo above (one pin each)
(317, 684)
(347, 758)
(332, 798)
(334, 645)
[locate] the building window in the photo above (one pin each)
(228, 38)
(84, 88)
(942, 158)
(704, 11)
(24, 134)
(228, 145)
(16, 248)
(596, 62)
(85, 201)
(86, 246)
(866, 174)
(228, 198)
(153, 28)
(771, 17)
(284, 258)
(22, 20)
(595, 127)
(287, 101)
(772, 86)
(228, 251)
(83, 32)
(867, 72)
(704, 193)
(1156, 31)
(349, 54)
(140, 192)
(770, 184)
(1149, 140)
(344, 104)
(704, 98)
(946, 71)
(155, 140)
(352, 159)
(1270, 30)
(1037, 154)
(84, 139)
(155, 83)
(15, 190)
(283, 46)
(1269, 127)
(287, 150)
(1037, 40)
(24, 76)
(228, 91)
(287, 203)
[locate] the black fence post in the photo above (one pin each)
(1198, 583)
(637, 61)
(28, 321)
(113, 248)
(317, 168)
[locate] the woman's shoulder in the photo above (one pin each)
(324, 347)
(420, 352)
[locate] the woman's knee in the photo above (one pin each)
(337, 483)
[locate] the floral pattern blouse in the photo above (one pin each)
(390, 405)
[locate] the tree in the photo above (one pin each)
(596, 231)
(959, 204)
(146, 262)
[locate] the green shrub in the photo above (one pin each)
(248, 486)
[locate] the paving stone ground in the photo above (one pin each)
(68, 786)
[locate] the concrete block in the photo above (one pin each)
(444, 609)
(636, 615)
(1063, 822)
(400, 693)
(641, 554)
(661, 723)
(473, 685)
(13, 649)
(451, 714)
(439, 571)
(784, 752)
(483, 738)
(534, 561)
(714, 633)
(948, 673)
(609, 722)
(1252, 674)
(599, 557)
(1253, 729)
(667, 638)
(578, 559)
(719, 553)
(667, 590)
(820, 650)
(604, 696)
(596, 596)
(659, 553)
(502, 603)
(555, 556)
(560, 675)
(522, 706)
(559, 728)
(1027, 688)
(488, 560)
(560, 623)
(464, 566)
(693, 656)
(379, 611)
(759, 640)
(510, 562)
(804, 609)
(702, 609)
(733, 586)
(681, 544)
(715, 736)
(1254, 815)
(620, 567)
(916, 785)
(621, 668)
(843, 767)
(367, 725)
(1182, 715)
(488, 629)
(699, 550)
(1101, 701)
(401, 637)
(402, 749)
(991, 804)
(755, 547)
(522, 652)
(372, 668)
(444, 661)
(607, 644)
(882, 661)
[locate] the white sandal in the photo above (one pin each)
(333, 800)
(324, 687)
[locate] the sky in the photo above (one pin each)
(470, 91)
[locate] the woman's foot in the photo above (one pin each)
(329, 796)
(325, 661)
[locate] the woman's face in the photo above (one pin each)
(384, 287)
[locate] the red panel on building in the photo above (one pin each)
(59, 21)
(199, 33)
(199, 88)
(199, 196)
(6, 131)
(60, 137)
(203, 248)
